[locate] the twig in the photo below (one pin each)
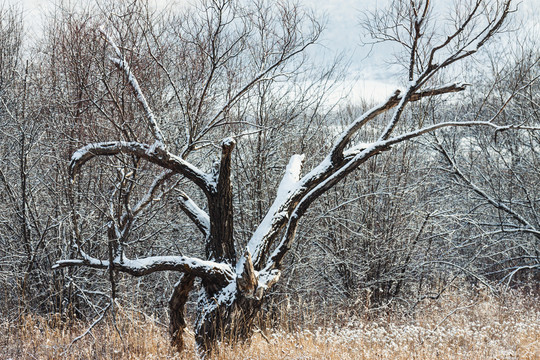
(88, 330)
(259, 331)
(452, 313)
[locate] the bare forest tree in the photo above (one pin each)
(502, 206)
(214, 72)
(28, 233)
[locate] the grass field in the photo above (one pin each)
(485, 327)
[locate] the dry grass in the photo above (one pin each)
(456, 328)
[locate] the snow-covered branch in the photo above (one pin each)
(428, 129)
(312, 185)
(328, 173)
(345, 137)
(278, 212)
(201, 268)
(153, 154)
(123, 65)
(195, 213)
(528, 227)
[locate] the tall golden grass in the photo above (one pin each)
(458, 327)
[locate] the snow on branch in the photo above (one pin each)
(339, 163)
(155, 155)
(140, 267)
(195, 213)
(222, 177)
(392, 101)
(266, 280)
(530, 228)
(123, 65)
(278, 212)
(316, 182)
(428, 129)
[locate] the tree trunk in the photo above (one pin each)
(176, 305)
(223, 319)
(223, 315)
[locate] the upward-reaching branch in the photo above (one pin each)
(123, 65)
(344, 139)
(220, 244)
(338, 163)
(278, 213)
(471, 46)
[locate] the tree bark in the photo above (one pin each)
(231, 321)
(223, 315)
(220, 244)
(176, 305)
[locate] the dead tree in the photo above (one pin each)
(235, 281)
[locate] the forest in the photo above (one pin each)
(193, 180)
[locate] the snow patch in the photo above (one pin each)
(287, 187)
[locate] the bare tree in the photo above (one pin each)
(25, 230)
(502, 206)
(222, 40)
(13, 161)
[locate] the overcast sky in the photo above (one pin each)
(370, 74)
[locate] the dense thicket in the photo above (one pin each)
(455, 204)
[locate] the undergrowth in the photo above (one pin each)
(465, 326)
